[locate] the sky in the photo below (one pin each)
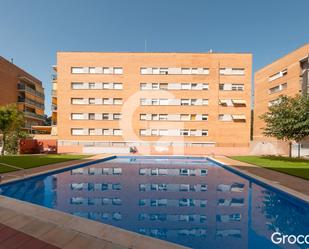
(32, 31)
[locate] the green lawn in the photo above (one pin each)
(31, 161)
(292, 166)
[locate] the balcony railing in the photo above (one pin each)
(54, 108)
(54, 93)
(28, 89)
(31, 102)
(34, 115)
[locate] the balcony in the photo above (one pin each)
(54, 93)
(54, 77)
(23, 87)
(34, 115)
(30, 102)
(54, 108)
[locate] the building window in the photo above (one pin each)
(143, 102)
(143, 86)
(194, 71)
(155, 70)
(77, 70)
(232, 71)
(225, 117)
(163, 102)
(204, 132)
(105, 132)
(237, 87)
(163, 86)
(231, 87)
(106, 101)
(172, 70)
(77, 85)
(143, 132)
(118, 70)
(185, 70)
(154, 132)
(204, 117)
(91, 131)
(91, 116)
(143, 116)
(77, 131)
(105, 116)
(91, 85)
(273, 102)
(163, 132)
(144, 70)
(118, 86)
(116, 116)
(278, 75)
(91, 69)
(154, 102)
(162, 116)
(117, 101)
(163, 70)
(277, 88)
(185, 86)
(77, 101)
(155, 117)
(205, 86)
(106, 70)
(205, 101)
(105, 85)
(184, 117)
(77, 116)
(117, 132)
(185, 102)
(91, 101)
(184, 132)
(155, 86)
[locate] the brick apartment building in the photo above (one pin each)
(157, 102)
(289, 76)
(21, 88)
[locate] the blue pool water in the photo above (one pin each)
(189, 201)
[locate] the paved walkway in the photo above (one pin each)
(13, 239)
(298, 186)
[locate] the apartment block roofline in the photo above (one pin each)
(282, 57)
(28, 74)
(153, 52)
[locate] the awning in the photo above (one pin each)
(239, 117)
(223, 101)
(239, 101)
(41, 128)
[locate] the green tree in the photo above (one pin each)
(11, 124)
(288, 120)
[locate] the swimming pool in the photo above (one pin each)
(189, 201)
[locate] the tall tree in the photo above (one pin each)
(11, 123)
(288, 120)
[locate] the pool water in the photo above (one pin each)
(188, 201)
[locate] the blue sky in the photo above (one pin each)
(33, 31)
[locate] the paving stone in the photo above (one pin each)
(58, 237)
(36, 228)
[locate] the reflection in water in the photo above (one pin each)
(188, 201)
